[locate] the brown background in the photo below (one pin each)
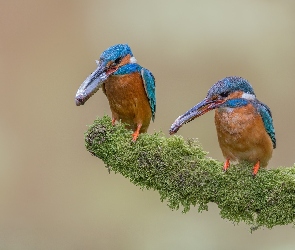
(53, 193)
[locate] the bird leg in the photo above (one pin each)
(136, 132)
(256, 168)
(226, 165)
(113, 121)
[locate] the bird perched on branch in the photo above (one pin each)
(130, 88)
(244, 125)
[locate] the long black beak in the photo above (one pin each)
(91, 84)
(198, 110)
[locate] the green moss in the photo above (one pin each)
(184, 176)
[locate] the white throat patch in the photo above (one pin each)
(133, 59)
(248, 96)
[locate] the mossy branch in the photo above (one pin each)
(184, 176)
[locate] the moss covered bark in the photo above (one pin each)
(184, 176)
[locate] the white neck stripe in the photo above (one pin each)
(133, 59)
(248, 96)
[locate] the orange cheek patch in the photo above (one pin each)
(125, 60)
(236, 94)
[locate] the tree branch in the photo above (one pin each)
(184, 176)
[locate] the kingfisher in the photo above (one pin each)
(244, 125)
(129, 88)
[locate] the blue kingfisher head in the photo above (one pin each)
(109, 62)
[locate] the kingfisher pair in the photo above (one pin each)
(244, 125)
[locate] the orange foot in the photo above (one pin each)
(256, 168)
(136, 133)
(113, 121)
(226, 165)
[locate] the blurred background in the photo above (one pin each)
(53, 193)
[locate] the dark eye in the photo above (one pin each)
(117, 61)
(224, 94)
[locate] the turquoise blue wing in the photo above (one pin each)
(265, 113)
(150, 89)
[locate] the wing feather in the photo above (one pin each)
(266, 115)
(150, 89)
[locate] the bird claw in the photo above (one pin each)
(226, 165)
(135, 136)
(136, 133)
(255, 169)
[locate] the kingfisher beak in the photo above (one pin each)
(93, 82)
(198, 110)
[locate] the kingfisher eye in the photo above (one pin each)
(117, 61)
(224, 94)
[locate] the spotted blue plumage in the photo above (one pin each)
(150, 86)
(232, 83)
(116, 51)
(234, 103)
(128, 69)
(265, 113)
